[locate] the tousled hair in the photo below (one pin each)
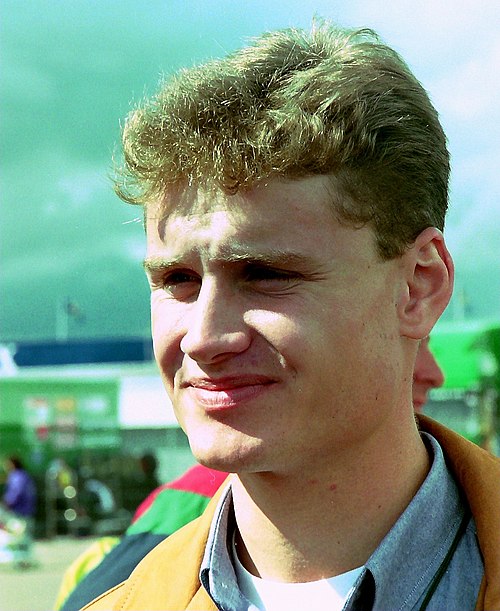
(331, 102)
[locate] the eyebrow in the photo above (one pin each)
(270, 258)
(156, 264)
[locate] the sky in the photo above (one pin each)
(70, 71)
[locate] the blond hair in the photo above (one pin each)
(331, 101)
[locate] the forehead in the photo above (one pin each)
(305, 197)
(280, 220)
(217, 223)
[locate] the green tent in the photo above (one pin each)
(468, 352)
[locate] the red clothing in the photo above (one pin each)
(197, 479)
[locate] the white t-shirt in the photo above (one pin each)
(319, 595)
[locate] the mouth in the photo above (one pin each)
(227, 393)
(419, 402)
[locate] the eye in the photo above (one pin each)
(179, 284)
(270, 277)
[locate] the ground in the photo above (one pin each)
(35, 589)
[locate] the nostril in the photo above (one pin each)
(210, 348)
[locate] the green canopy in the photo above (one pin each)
(468, 352)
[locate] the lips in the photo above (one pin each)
(419, 399)
(418, 406)
(228, 392)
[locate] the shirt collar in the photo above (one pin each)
(398, 572)
(409, 556)
(217, 572)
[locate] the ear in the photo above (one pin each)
(429, 274)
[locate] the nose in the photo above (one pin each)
(427, 371)
(435, 374)
(215, 326)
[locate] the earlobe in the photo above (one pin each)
(429, 284)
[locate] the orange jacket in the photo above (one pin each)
(167, 578)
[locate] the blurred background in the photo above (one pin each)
(80, 397)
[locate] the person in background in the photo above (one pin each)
(139, 482)
(20, 499)
(426, 375)
(111, 560)
(295, 195)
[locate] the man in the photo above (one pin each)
(110, 560)
(294, 197)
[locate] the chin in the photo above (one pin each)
(418, 406)
(227, 456)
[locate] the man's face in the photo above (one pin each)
(426, 375)
(274, 326)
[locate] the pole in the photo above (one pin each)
(62, 319)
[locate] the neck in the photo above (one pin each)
(329, 518)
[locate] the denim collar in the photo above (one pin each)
(396, 575)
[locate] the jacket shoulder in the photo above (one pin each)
(167, 577)
(477, 473)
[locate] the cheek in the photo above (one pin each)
(288, 337)
(270, 323)
(166, 327)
